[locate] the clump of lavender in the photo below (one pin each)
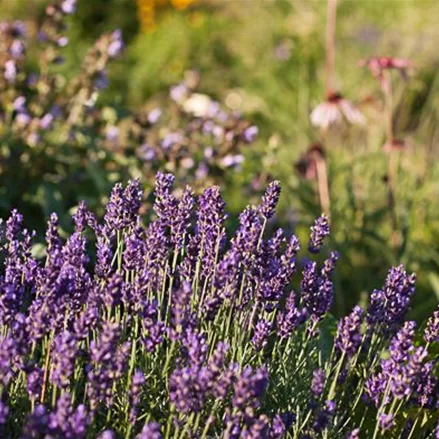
(177, 329)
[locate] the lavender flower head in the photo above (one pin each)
(389, 305)
(386, 421)
(348, 337)
(319, 231)
(4, 411)
(354, 434)
(431, 334)
(261, 334)
(250, 388)
(270, 199)
(107, 434)
(135, 393)
(151, 430)
(318, 382)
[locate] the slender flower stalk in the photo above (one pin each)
(331, 19)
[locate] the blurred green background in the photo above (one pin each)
(266, 60)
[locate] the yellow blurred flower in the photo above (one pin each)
(147, 10)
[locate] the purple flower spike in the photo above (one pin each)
(319, 231)
(135, 394)
(14, 225)
(270, 199)
(390, 305)
(4, 411)
(431, 334)
(165, 204)
(250, 388)
(386, 421)
(151, 430)
(123, 208)
(290, 318)
(348, 335)
(65, 351)
(107, 434)
(318, 382)
(354, 434)
(261, 334)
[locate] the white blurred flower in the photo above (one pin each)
(197, 104)
(334, 111)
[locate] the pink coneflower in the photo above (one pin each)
(336, 110)
(378, 64)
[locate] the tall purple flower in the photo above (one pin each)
(386, 421)
(123, 207)
(250, 388)
(181, 219)
(107, 434)
(134, 253)
(318, 382)
(248, 235)
(290, 318)
(323, 416)
(405, 373)
(319, 231)
(53, 240)
(64, 353)
(261, 334)
(4, 412)
(165, 204)
(389, 305)
(104, 251)
(151, 430)
(354, 434)
(36, 424)
(67, 421)
(431, 333)
(281, 424)
(316, 290)
(14, 225)
(349, 337)
(108, 361)
(137, 382)
(84, 217)
(270, 199)
(195, 347)
(188, 389)
(35, 382)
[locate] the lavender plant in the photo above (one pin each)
(175, 330)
